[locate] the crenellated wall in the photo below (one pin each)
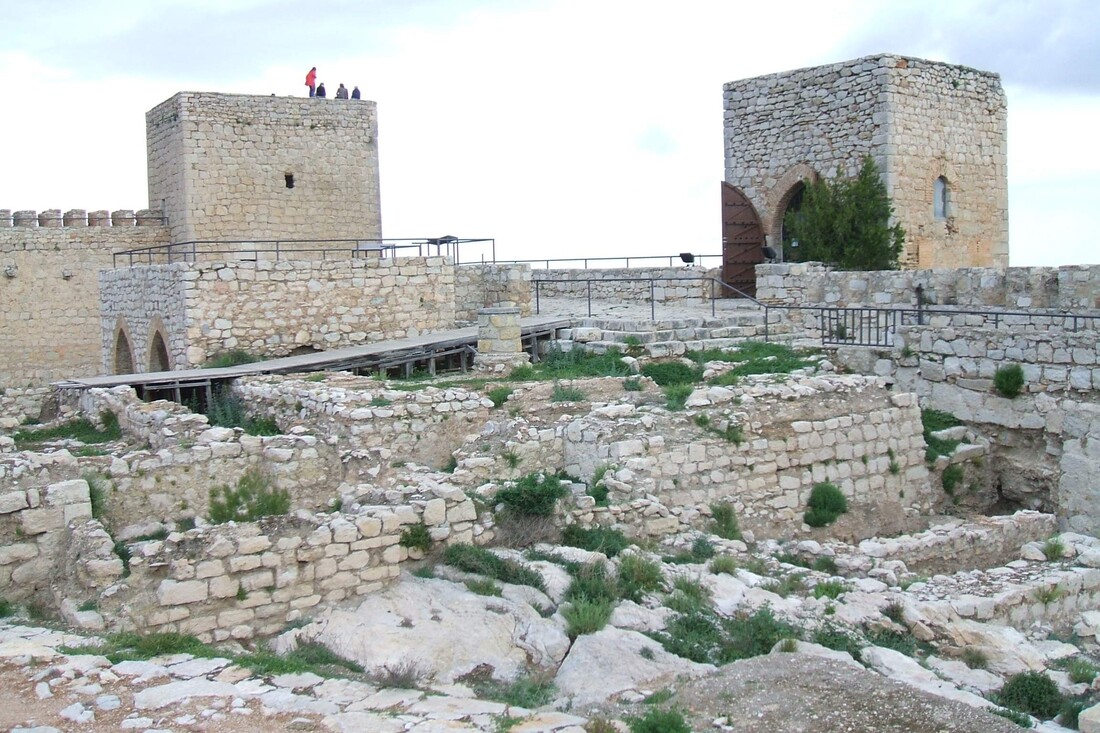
(49, 291)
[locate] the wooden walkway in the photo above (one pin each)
(457, 343)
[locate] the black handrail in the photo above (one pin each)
(281, 248)
(672, 260)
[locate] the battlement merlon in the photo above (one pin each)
(53, 218)
(236, 166)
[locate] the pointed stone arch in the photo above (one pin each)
(159, 359)
(787, 189)
(123, 353)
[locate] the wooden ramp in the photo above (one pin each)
(457, 345)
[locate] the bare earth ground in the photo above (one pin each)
(799, 693)
(19, 706)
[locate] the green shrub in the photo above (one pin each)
(524, 692)
(133, 646)
(668, 373)
(894, 612)
(233, 357)
(658, 697)
(473, 559)
(827, 502)
(952, 476)
(1019, 719)
(1071, 711)
(567, 394)
(696, 636)
(974, 658)
(308, 656)
(638, 576)
(417, 537)
(632, 384)
(829, 589)
(833, 637)
(751, 636)
(6, 609)
(253, 498)
(535, 494)
(80, 429)
(598, 489)
(1008, 380)
(586, 615)
(788, 584)
(903, 642)
(725, 521)
(676, 396)
(1033, 693)
(659, 721)
(592, 581)
(702, 549)
(689, 596)
(574, 364)
(1048, 595)
(723, 564)
(597, 539)
(1081, 671)
(934, 421)
(825, 564)
(483, 587)
(226, 410)
(499, 395)
(1054, 549)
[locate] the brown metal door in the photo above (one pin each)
(742, 241)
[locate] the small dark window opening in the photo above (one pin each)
(290, 180)
(941, 199)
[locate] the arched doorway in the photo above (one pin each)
(742, 242)
(791, 203)
(158, 354)
(124, 356)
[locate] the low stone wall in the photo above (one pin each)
(273, 308)
(19, 404)
(33, 527)
(664, 469)
(984, 542)
(372, 425)
(489, 286)
(241, 581)
(1071, 288)
(669, 284)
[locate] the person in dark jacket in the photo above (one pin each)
(342, 92)
(355, 93)
(321, 90)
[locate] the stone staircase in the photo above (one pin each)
(672, 337)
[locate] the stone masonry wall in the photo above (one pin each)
(917, 119)
(664, 469)
(670, 284)
(952, 370)
(372, 425)
(243, 580)
(1071, 288)
(272, 308)
(138, 303)
(488, 286)
(33, 526)
(233, 166)
(49, 292)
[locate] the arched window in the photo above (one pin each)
(940, 199)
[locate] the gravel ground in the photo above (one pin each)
(799, 693)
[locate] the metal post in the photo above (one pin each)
(537, 297)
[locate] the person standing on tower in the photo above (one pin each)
(311, 81)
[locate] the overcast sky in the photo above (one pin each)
(559, 127)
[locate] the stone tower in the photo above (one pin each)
(936, 132)
(234, 166)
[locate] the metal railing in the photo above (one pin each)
(283, 249)
(676, 260)
(844, 326)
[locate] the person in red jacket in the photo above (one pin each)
(311, 81)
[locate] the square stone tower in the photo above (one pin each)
(234, 166)
(936, 131)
